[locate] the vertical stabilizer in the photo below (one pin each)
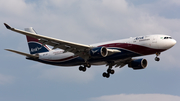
(34, 45)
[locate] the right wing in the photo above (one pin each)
(120, 63)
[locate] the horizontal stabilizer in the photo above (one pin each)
(21, 53)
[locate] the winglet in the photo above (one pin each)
(7, 26)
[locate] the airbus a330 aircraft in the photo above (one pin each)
(112, 54)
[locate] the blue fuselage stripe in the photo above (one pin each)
(79, 61)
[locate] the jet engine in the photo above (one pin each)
(138, 64)
(98, 52)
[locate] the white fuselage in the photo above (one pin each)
(155, 42)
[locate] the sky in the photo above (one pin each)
(88, 22)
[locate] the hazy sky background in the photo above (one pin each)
(88, 22)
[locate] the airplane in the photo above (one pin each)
(116, 53)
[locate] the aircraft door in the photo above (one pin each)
(154, 42)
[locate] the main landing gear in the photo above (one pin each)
(83, 68)
(109, 71)
(157, 58)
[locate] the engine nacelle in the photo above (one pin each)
(138, 64)
(98, 52)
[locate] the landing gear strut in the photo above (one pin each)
(157, 58)
(109, 71)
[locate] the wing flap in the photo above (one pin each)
(122, 62)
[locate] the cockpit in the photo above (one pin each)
(167, 37)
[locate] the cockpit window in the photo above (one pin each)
(167, 37)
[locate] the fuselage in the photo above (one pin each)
(130, 47)
(112, 54)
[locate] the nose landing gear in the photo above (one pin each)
(157, 58)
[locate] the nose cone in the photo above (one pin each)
(173, 42)
(166, 43)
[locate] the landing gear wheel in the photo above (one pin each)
(88, 66)
(107, 75)
(104, 74)
(157, 58)
(81, 68)
(84, 69)
(111, 71)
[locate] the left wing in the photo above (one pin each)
(76, 48)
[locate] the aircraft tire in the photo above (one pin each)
(104, 74)
(88, 65)
(107, 75)
(157, 59)
(109, 70)
(84, 69)
(81, 68)
(112, 71)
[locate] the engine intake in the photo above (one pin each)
(98, 52)
(138, 64)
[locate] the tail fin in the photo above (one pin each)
(34, 45)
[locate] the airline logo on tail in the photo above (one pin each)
(35, 49)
